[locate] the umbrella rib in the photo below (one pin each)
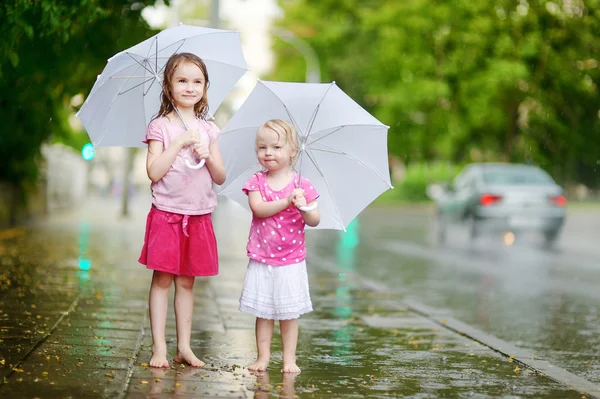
(154, 74)
(312, 120)
(155, 38)
(121, 69)
(181, 43)
(150, 86)
(314, 116)
(112, 101)
(239, 176)
(156, 58)
(327, 135)
(284, 106)
(338, 129)
(136, 86)
(333, 151)
(337, 211)
(191, 37)
(299, 171)
(140, 63)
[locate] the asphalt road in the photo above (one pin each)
(544, 301)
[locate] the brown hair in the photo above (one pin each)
(166, 103)
(285, 129)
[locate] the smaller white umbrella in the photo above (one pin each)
(343, 148)
(126, 95)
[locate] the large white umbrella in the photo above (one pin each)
(343, 148)
(126, 95)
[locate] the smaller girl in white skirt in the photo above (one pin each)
(276, 283)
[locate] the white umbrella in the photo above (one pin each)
(343, 148)
(126, 95)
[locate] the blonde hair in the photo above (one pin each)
(285, 129)
(166, 97)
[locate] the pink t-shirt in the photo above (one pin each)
(182, 190)
(278, 240)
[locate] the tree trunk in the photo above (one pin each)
(512, 131)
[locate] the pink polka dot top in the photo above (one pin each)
(278, 240)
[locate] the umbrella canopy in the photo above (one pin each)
(126, 95)
(343, 148)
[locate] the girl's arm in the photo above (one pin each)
(160, 160)
(215, 165)
(311, 218)
(264, 209)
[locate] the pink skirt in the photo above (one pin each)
(183, 245)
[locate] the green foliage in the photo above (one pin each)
(51, 52)
(463, 80)
(413, 187)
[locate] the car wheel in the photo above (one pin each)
(551, 237)
(473, 227)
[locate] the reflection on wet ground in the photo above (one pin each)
(73, 317)
(543, 300)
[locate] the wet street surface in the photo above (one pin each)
(544, 301)
(73, 314)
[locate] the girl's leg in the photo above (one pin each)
(264, 334)
(289, 338)
(184, 307)
(159, 301)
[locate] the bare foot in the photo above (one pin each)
(290, 368)
(159, 359)
(259, 365)
(187, 356)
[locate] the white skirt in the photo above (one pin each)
(276, 292)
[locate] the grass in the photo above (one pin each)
(396, 196)
(584, 205)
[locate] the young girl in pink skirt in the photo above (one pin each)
(180, 242)
(276, 282)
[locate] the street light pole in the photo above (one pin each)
(126, 186)
(313, 70)
(215, 20)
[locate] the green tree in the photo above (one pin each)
(51, 52)
(462, 80)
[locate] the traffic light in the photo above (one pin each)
(88, 152)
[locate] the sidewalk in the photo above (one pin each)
(70, 332)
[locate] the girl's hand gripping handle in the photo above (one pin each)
(200, 164)
(297, 197)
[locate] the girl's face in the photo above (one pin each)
(187, 85)
(273, 151)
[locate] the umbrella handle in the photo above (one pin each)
(308, 208)
(192, 166)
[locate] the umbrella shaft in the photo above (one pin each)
(179, 115)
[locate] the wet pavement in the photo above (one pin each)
(543, 301)
(73, 322)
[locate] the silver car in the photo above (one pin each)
(499, 197)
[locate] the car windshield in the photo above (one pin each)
(516, 176)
